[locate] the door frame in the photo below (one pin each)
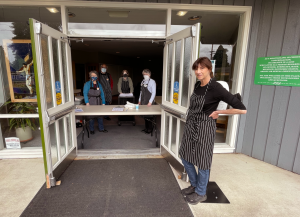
(241, 52)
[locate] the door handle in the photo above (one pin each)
(57, 116)
(174, 112)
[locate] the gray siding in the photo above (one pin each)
(270, 130)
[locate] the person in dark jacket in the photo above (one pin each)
(197, 143)
(106, 81)
(94, 95)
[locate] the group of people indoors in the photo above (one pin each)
(98, 91)
(196, 148)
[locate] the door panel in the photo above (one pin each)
(52, 59)
(180, 51)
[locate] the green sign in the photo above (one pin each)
(280, 71)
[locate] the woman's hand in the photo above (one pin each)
(139, 103)
(103, 104)
(214, 115)
(149, 104)
(88, 104)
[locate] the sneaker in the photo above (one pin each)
(187, 191)
(92, 132)
(195, 198)
(103, 131)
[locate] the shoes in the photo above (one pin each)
(92, 132)
(195, 198)
(103, 131)
(188, 191)
(107, 118)
(146, 131)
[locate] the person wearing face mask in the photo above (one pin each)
(94, 95)
(147, 95)
(107, 84)
(125, 83)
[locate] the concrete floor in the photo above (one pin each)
(20, 181)
(254, 188)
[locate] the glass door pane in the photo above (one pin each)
(46, 71)
(173, 135)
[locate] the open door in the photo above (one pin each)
(55, 97)
(181, 50)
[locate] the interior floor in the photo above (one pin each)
(125, 136)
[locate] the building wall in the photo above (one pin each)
(270, 130)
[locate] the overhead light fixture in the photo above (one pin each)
(138, 57)
(120, 14)
(149, 60)
(117, 52)
(70, 14)
(53, 10)
(194, 18)
(181, 13)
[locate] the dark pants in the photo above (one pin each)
(148, 124)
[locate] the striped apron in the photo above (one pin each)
(105, 83)
(199, 134)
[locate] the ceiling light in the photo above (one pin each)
(138, 57)
(149, 60)
(118, 13)
(70, 14)
(117, 52)
(53, 10)
(181, 13)
(194, 18)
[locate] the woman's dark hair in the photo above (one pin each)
(125, 71)
(204, 62)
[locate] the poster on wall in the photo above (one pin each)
(20, 71)
(278, 70)
(176, 90)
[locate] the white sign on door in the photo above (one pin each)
(12, 142)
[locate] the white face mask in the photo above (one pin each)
(103, 70)
(146, 77)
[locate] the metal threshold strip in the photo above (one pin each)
(118, 153)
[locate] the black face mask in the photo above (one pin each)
(125, 75)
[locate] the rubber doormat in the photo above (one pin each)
(118, 187)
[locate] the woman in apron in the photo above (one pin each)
(198, 138)
(125, 85)
(94, 95)
(147, 95)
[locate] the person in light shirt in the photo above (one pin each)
(147, 95)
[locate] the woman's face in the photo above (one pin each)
(93, 75)
(146, 74)
(202, 72)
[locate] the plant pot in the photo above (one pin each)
(24, 135)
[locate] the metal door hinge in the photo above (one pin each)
(38, 28)
(52, 181)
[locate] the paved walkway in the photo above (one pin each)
(254, 188)
(20, 180)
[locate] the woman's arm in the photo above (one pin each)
(223, 95)
(85, 92)
(216, 114)
(119, 85)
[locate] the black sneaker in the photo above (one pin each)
(92, 132)
(187, 191)
(103, 131)
(195, 198)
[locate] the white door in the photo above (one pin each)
(54, 87)
(181, 50)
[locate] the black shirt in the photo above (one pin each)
(216, 93)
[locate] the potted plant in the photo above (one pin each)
(23, 126)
